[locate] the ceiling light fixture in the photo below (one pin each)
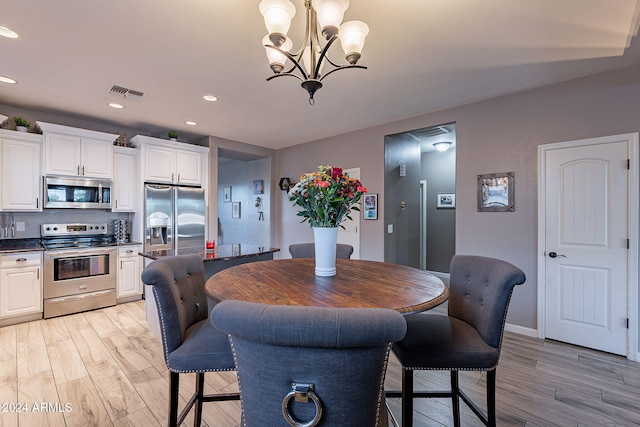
(115, 105)
(9, 80)
(7, 32)
(210, 98)
(191, 123)
(442, 145)
(322, 16)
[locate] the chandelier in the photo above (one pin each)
(322, 17)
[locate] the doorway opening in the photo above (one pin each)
(419, 205)
(244, 188)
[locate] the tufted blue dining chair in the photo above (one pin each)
(189, 340)
(468, 338)
(307, 366)
(307, 250)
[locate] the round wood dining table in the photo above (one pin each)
(357, 283)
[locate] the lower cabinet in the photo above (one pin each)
(20, 284)
(129, 270)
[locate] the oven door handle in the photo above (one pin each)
(81, 252)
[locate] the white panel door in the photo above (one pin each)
(586, 245)
(350, 235)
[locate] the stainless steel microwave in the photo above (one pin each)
(76, 193)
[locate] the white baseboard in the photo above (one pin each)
(521, 330)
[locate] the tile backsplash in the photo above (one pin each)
(33, 220)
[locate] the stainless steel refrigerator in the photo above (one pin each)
(175, 218)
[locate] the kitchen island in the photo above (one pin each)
(222, 257)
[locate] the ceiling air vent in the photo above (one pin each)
(127, 93)
(430, 132)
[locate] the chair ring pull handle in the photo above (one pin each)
(301, 393)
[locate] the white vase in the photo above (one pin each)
(325, 240)
(22, 128)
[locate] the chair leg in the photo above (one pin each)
(455, 400)
(174, 385)
(407, 398)
(491, 398)
(197, 416)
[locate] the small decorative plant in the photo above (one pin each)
(173, 134)
(21, 121)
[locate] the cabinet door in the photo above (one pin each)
(96, 158)
(21, 175)
(62, 154)
(188, 167)
(159, 164)
(123, 182)
(129, 283)
(20, 291)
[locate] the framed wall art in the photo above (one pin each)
(370, 206)
(235, 210)
(258, 186)
(496, 192)
(446, 201)
(226, 194)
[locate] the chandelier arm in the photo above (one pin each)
(344, 67)
(285, 74)
(291, 58)
(323, 54)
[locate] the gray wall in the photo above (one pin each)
(239, 175)
(402, 202)
(439, 170)
(497, 135)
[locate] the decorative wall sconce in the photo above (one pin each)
(285, 183)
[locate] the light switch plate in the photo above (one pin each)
(390, 229)
(19, 225)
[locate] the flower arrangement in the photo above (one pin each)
(326, 196)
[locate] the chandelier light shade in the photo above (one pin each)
(323, 27)
(277, 17)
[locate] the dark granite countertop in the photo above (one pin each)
(222, 252)
(34, 244)
(20, 245)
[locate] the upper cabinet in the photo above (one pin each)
(165, 162)
(124, 179)
(20, 175)
(77, 152)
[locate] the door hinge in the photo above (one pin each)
(627, 323)
(629, 164)
(628, 244)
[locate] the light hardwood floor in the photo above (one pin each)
(102, 368)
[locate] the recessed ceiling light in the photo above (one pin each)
(4, 79)
(115, 105)
(191, 123)
(210, 98)
(6, 32)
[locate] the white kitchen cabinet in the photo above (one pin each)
(164, 163)
(188, 167)
(124, 180)
(20, 284)
(21, 176)
(129, 270)
(77, 152)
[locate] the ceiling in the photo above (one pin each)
(422, 56)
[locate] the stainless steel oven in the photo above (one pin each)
(79, 268)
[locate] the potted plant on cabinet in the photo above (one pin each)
(173, 135)
(22, 124)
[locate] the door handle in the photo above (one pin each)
(555, 255)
